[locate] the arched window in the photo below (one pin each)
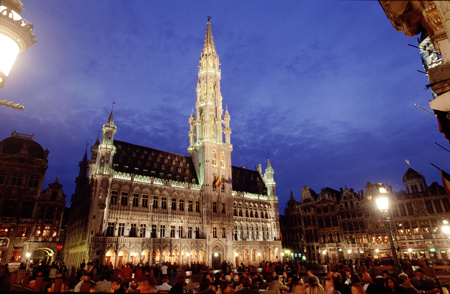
(204, 91)
(222, 160)
(211, 90)
(214, 158)
(212, 125)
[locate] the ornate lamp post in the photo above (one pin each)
(382, 200)
(15, 37)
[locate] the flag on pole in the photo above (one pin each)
(230, 181)
(218, 183)
(446, 181)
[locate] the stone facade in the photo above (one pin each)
(30, 220)
(345, 224)
(139, 204)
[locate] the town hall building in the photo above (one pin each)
(138, 204)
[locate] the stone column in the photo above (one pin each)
(150, 257)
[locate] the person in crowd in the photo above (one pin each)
(311, 277)
(91, 270)
(245, 283)
(206, 287)
(276, 286)
(223, 285)
(139, 274)
(358, 289)
(63, 269)
(348, 277)
(329, 286)
(339, 286)
(298, 288)
(368, 286)
(164, 269)
(80, 271)
(380, 282)
(257, 278)
(284, 278)
(316, 288)
(117, 286)
(405, 283)
(424, 283)
(393, 287)
(146, 287)
(165, 284)
(354, 278)
(179, 286)
(126, 272)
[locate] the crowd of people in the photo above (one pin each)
(269, 278)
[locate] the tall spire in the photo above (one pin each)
(111, 118)
(208, 126)
(208, 46)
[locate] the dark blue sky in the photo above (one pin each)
(328, 86)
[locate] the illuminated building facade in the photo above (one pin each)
(335, 225)
(139, 204)
(30, 219)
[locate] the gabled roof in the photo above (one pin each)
(245, 180)
(411, 174)
(147, 161)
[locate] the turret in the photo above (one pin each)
(268, 179)
(227, 129)
(191, 130)
(106, 149)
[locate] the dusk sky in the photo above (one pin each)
(327, 86)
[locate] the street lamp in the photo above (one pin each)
(382, 200)
(15, 36)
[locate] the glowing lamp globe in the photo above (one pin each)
(59, 247)
(446, 227)
(382, 200)
(15, 36)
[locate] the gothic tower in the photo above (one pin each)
(209, 134)
(101, 173)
